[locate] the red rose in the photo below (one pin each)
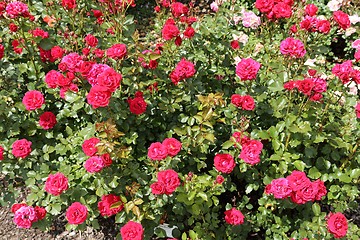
(157, 151)
(236, 99)
(280, 188)
(76, 213)
(157, 188)
(94, 164)
(357, 110)
(1, 51)
(251, 151)
(337, 224)
(178, 9)
(234, 217)
(170, 179)
(311, 10)
(40, 213)
(235, 44)
(98, 96)
(247, 69)
(106, 159)
(1, 153)
(106, 202)
(33, 100)
(21, 148)
(290, 85)
(56, 184)
(224, 163)
(321, 189)
(323, 26)
(172, 145)
(219, 179)
(68, 4)
(47, 120)
(91, 40)
(57, 52)
(282, 10)
(170, 30)
(116, 51)
(184, 69)
(356, 55)
(264, 6)
(189, 32)
(17, 206)
(109, 79)
(297, 180)
(308, 192)
(342, 19)
(89, 146)
(137, 105)
(247, 103)
(306, 86)
(13, 27)
(132, 231)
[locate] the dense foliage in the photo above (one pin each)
(239, 124)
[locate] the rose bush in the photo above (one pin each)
(240, 124)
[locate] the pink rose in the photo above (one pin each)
(170, 179)
(33, 100)
(247, 69)
(157, 188)
(89, 146)
(117, 51)
(321, 189)
(342, 19)
(157, 151)
(21, 148)
(132, 231)
(247, 103)
(297, 180)
(178, 9)
(219, 179)
(109, 79)
(25, 216)
(71, 62)
(337, 224)
(224, 163)
(98, 96)
(16, 9)
(51, 78)
(56, 184)
(282, 10)
(311, 10)
(172, 145)
(264, 6)
(234, 217)
(292, 47)
(56, 52)
(251, 151)
(170, 30)
(106, 202)
(280, 188)
(94, 164)
(47, 120)
(76, 213)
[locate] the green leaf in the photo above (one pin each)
(316, 209)
(314, 173)
(228, 144)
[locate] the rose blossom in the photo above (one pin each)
(157, 188)
(334, 5)
(21, 148)
(337, 224)
(224, 163)
(172, 145)
(247, 69)
(104, 205)
(219, 179)
(56, 184)
(157, 151)
(251, 151)
(137, 105)
(250, 20)
(106, 159)
(70, 62)
(17, 206)
(16, 9)
(234, 217)
(91, 40)
(116, 51)
(109, 79)
(280, 188)
(321, 189)
(342, 19)
(40, 213)
(76, 213)
(47, 120)
(89, 146)
(247, 103)
(311, 10)
(132, 231)
(98, 96)
(292, 47)
(68, 4)
(1, 51)
(33, 100)
(57, 52)
(184, 69)
(170, 179)
(170, 30)
(94, 164)
(214, 6)
(297, 180)
(357, 110)
(25, 216)
(264, 6)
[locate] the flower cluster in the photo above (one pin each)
(105, 206)
(298, 187)
(167, 182)
(275, 9)
(346, 72)
(25, 216)
(245, 102)
(312, 87)
(184, 69)
(311, 23)
(95, 163)
(169, 147)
